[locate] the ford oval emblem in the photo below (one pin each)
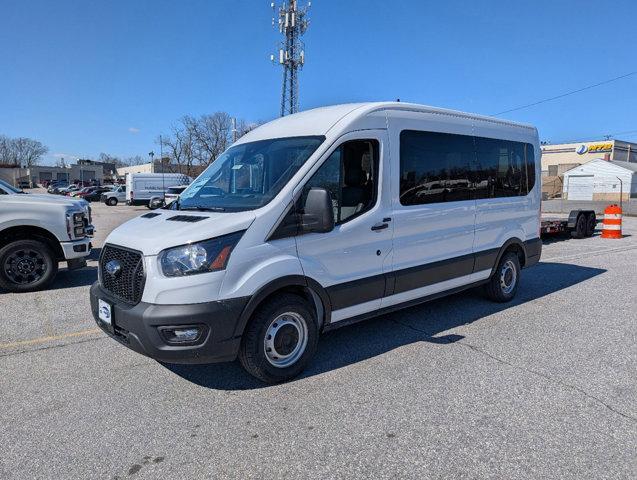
(113, 268)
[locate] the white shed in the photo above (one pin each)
(601, 180)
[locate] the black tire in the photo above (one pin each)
(503, 284)
(591, 223)
(111, 202)
(26, 266)
(580, 227)
(252, 353)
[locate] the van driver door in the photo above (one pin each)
(350, 261)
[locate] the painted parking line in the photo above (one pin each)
(51, 338)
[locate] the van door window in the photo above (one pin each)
(435, 167)
(350, 176)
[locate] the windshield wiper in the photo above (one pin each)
(201, 208)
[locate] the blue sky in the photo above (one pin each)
(86, 77)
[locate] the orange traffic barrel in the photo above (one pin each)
(612, 225)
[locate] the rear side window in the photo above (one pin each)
(435, 167)
(442, 167)
(502, 168)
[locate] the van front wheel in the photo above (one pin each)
(280, 339)
(503, 284)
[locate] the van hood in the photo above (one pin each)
(155, 231)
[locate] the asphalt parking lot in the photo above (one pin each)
(544, 387)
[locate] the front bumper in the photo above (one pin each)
(138, 327)
(77, 248)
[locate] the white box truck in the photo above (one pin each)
(318, 220)
(141, 187)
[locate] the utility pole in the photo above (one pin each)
(292, 23)
(234, 130)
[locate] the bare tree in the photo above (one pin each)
(178, 147)
(22, 151)
(6, 157)
(244, 127)
(108, 158)
(195, 142)
(210, 134)
(134, 160)
(28, 151)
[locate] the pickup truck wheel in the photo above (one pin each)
(280, 339)
(503, 284)
(111, 202)
(26, 266)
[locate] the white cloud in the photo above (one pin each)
(133, 130)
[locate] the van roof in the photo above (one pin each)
(319, 121)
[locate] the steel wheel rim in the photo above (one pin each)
(24, 266)
(508, 277)
(285, 339)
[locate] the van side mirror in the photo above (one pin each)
(318, 213)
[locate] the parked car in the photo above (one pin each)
(36, 233)
(115, 196)
(81, 192)
(322, 219)
(172, 194)
(96, 194)
(54, 187)
(68, 190)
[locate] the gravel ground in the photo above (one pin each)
(544, 387)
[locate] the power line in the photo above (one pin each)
(622, 133)
(567, 93)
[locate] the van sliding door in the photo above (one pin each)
(433, 212)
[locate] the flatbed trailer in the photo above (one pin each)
(580, 224)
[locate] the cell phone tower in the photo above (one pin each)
(292, 22)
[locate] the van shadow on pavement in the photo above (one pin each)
(423, 323)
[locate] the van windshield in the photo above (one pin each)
(248, 176)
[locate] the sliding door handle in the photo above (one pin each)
(379, 226)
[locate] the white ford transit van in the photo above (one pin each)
(321, 219)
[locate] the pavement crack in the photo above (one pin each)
(522, 368)
(49, 347)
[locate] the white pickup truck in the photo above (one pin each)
(36, 233)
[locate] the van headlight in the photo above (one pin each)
(201, 257)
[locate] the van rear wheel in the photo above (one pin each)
(280, 339)
(111, 202)
(503, 284)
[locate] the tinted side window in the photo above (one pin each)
(530, 166)
(500, 168)
(435, 167)
(350, 175)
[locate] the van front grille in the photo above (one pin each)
(122, 273)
